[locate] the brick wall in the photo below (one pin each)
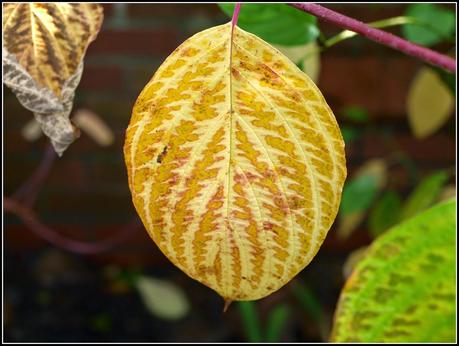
(86, 195)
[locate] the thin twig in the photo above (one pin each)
(31, 220)
(347, 34)
(23, 199)
(28, 191)
(380, 36)
(235, 14)
(343, 35)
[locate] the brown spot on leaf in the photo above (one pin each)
(270, 174)
(174, 179)
(280, 202)
(283, 171)
(250, 176)
(267, 226)
(161, 156)
(295, 202)
(239, 178)
(206, 270)
(235, 73)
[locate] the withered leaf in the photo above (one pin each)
(43, 49)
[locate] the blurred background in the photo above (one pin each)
(128, 290)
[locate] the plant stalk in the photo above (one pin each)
(380, 36)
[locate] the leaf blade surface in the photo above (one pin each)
(235, 163)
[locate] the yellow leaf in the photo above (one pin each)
(307, 55)
(43, 49)
(235, 163)
(429, 103)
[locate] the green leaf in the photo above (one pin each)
(385, 213)
(434, 24)
(308, 300)
(162, 298)
(250, 321)
(350, 133)
(424, 195)
(403, 290)
(356, 113)
(276, 322)
(275, 23)
(359, 194)
(129, 276)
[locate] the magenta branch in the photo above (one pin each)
(235, 14)
(380, 36)
(22, 201)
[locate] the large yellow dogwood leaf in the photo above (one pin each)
(235, 162)
(42, 55)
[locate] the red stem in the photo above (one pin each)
(31, 220)
(379, 36)
(28, 191)
(23, 199)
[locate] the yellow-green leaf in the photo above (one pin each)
(403, 290)
(429, 103)
(43, 49)
(351, 261)
(235, 163)
(162, 298)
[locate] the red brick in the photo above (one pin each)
(131, 259)
(86, 192)
(65, 171)
(399, 178)
(335, 245)
(139, 76)
(115, 110)
(379, 85)
(438, 148)
(108, 10)
(14, 113)
(20, 238)
(137, 249)
(135, 41)
(154, 11)
(101, 78)
(15, 143)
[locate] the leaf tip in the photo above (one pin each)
(227, 304)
